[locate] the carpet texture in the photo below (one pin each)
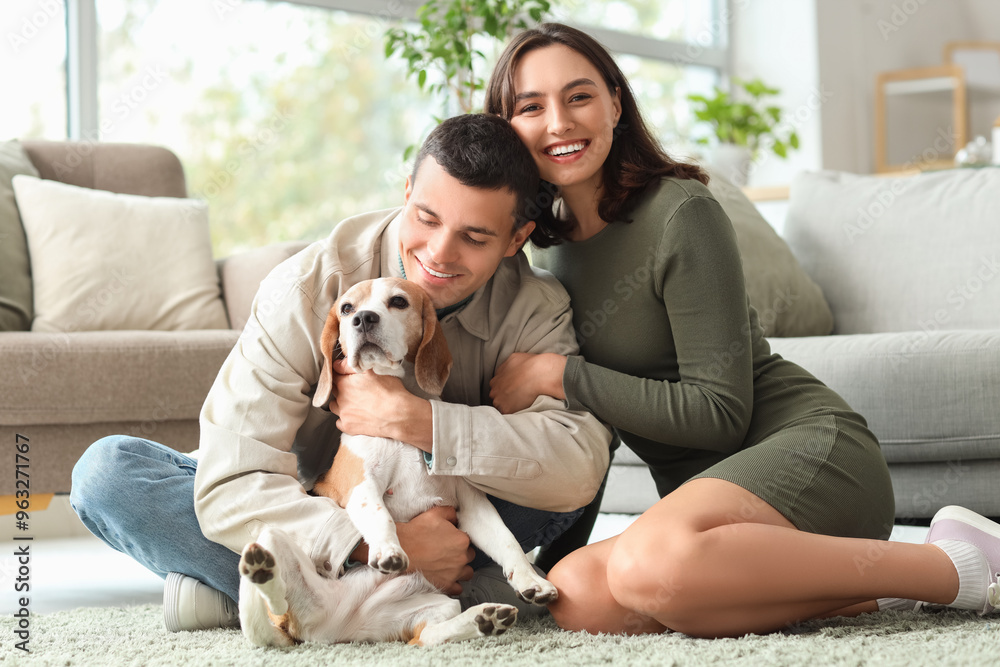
(135, 636)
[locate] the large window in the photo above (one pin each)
(286, 121)
(287, 116)
(33, 69)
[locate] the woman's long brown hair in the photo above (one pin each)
(636, 160)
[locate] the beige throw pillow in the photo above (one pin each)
(788, 301)
(104, 261)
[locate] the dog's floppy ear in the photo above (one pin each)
(433, 362)
(327, 344)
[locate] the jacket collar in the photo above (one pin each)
(475, 317)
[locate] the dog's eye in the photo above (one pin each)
(346, 309)
(398, 302)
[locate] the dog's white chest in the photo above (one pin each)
(400, 469)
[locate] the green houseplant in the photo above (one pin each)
(443, 42)
(751, 125)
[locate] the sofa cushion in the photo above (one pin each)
(15, 274)
(927, 395)
(786, 298)
(143, 378)
(920, 253)
(103, 261)
(241, 275)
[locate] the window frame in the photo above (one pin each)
(82, 114)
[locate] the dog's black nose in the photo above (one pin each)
(365, 320)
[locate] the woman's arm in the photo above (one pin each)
(698, 277)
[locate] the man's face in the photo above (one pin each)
(453, 236)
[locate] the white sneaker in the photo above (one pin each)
(188, 604)
(489, 584)
(973, 543)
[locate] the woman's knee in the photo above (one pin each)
(654, 577)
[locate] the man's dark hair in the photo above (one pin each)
(483, 151)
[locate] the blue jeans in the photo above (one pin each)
(138, 497)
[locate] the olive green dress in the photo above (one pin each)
(675, 359)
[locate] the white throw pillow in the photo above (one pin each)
(102, 261)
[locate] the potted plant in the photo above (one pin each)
(743, 128)
(443, 43)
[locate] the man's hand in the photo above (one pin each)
(436, 548)
(524, 377)
(379, 406)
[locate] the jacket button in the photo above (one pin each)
(452, 461)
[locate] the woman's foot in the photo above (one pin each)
(973, 544)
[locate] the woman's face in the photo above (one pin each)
(565, 114)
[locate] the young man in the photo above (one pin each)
(262, 444)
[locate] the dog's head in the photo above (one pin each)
(380, 323)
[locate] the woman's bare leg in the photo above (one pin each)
(698, 562)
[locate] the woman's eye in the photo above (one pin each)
(346, 309)
(398, 302)
(579, 97)
(529, 108)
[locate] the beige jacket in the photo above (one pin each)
(263, 444)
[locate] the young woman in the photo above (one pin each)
(776, 500)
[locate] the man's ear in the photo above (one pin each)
(327, 344)
(520, 238)
(408, 189)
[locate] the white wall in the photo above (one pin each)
(775, 40)
(837, 47)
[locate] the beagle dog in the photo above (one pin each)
(388, 326)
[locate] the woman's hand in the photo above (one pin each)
(524, 377)
(436, 548)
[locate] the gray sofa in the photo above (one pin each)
(64, 390)
(909, 267)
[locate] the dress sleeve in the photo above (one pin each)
(699, 277)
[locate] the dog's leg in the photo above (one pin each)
(369, 515)
(262, 597)
(478, 518)
(483, 620)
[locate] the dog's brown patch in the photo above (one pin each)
(287, 624)
(346, 473)
(415, 632)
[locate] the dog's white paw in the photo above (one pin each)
(388, 558)
(493, 619)
(256, 564)
(532, 588)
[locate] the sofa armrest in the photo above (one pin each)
(240, 276)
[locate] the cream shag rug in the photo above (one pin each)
(135, 636)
